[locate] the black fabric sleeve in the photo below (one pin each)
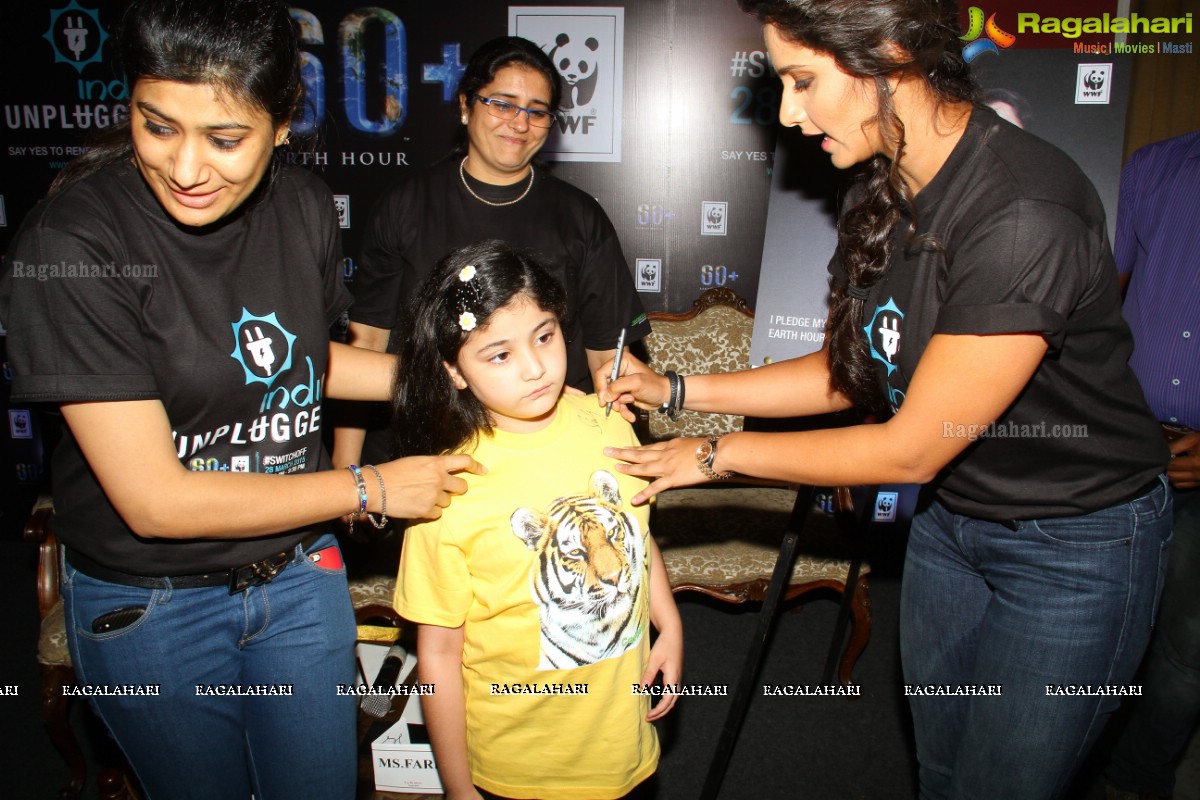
(1020, 271)
(607, 300)
(379, 276)
(74, 338)
(337, 296)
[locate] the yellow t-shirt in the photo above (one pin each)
(546, 564)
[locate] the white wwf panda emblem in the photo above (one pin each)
(577, 69)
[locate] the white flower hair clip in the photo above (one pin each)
(468, 296)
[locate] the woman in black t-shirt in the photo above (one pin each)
(180, 319)
(492, 189)
(975, 308)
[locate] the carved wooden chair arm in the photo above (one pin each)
(38, 531)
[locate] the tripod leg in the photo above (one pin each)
(766, 619)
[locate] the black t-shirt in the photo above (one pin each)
(1024, 249)
(421, 219)
(228, 327)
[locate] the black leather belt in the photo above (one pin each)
(237, 579)
(1172, 431)
(1141, 492)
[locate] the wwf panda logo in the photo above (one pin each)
(1094, 80)
(577, 69)
(716, 215)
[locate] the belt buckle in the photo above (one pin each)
(258, 573)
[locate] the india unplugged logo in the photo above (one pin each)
(266, 343)
(76, 35)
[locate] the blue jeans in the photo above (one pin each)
(1162, 721)
(298, 631)
(1055, 602)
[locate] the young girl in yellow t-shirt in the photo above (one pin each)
(533, 590)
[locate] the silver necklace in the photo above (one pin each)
(463, 177)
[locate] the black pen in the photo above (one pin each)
(616, 370)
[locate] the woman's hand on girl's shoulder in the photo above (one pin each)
(667, 464)
(419, 487)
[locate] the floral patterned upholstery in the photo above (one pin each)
(370, 594)
(712, 338)
(52, 639)
(731, 535)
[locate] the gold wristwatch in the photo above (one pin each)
(706, 453)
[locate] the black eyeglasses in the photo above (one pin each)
(502, 109)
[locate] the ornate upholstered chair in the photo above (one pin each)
(723, 540)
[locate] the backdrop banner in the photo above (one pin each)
(669, 119)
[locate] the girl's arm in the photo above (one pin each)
(666, 656)
(439, 662)
(962, 383)
(130, 447)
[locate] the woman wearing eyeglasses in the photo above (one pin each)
(491, 189)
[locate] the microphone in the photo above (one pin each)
(378, 705)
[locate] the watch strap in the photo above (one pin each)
(706, 454)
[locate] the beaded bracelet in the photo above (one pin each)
(360, 485)
(383, 518)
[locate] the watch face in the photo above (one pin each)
(705, 453)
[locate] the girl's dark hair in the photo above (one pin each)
(496, 54)
(873, 39)
(245, 49)
(430, 415)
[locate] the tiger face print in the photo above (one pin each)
(588, 577)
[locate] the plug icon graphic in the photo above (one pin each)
(76, 36)
(890, 338)
(259, 347)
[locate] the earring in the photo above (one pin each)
(464, 119)
(287, 137)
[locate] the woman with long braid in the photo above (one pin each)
(975, 309)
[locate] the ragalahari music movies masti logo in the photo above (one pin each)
(76, 35)
(994, 38)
